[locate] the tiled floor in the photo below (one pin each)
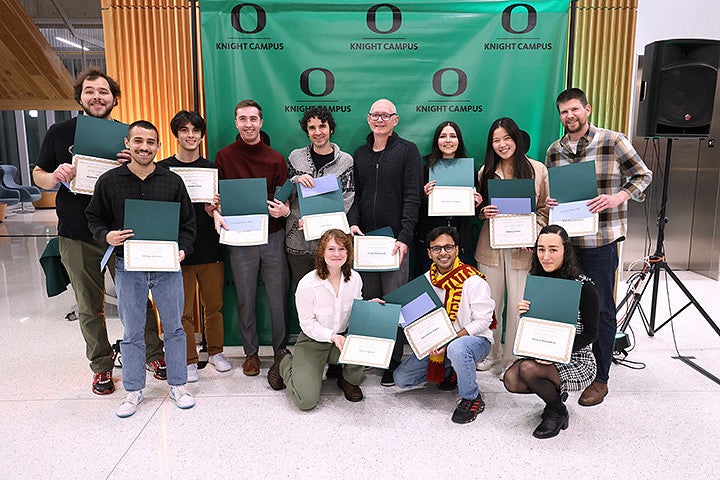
(660, 422)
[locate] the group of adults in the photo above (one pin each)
(384, 184)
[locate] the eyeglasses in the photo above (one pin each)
(377, 116)
(439, 248)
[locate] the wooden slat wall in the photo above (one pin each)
(32, 77)
(148, 51)
(604, 55)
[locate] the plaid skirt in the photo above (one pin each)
(579, 373)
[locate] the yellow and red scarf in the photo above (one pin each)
(452, 283)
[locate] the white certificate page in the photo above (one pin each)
(429, 332)
(451, 202)
(375, 253)
(544, 339)
(151, 256)
(368, 351)
(87, 171)
(513, 231)
(575, 218)
(201, 183)
(315, 225)
(245, 230)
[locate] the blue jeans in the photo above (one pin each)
(462, 354)
(132, 291)
(600, 264)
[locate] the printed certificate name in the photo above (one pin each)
(368, 351)
(544, 339)
(451, 202)
(245, 230)
(431, 331)
(87, 171)
(575, 217)
(315, 225)
(513, 231)
(151, 256)
(375, 254)
(201, 183)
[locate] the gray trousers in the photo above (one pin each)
(376, 285)
(268, 260)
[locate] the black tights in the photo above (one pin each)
(529, 376)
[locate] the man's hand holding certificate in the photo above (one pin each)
(573, 186)
(547, 330)
(454, 193)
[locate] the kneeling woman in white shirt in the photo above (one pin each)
(324, 298)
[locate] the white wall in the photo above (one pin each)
(664, 19)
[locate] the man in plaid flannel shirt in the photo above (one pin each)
(621, 175)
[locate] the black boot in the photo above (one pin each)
(555, 418)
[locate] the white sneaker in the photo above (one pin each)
(183, 398)
(192, 373)
(487, 363)
(219, 362)
(129, 404)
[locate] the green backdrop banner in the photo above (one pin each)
(469, 62)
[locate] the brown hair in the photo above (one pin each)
(92, 73)
(341, 238)
(248, 103)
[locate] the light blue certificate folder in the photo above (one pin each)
(515, 188)
(243, 196)
(97, 137)
(453, 172)
(372, 319)
(329, 202)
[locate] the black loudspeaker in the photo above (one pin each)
(678, 88)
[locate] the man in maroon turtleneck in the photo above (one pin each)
(249, 157)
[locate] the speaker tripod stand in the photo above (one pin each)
(652, 270)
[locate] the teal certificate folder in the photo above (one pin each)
(330, 202)
(152, 220)
(572, 183)
(513, 188)
(372, 319)
(243, 196)
(554, 299)
(97, 137)
(453, 172)
(283, 192)
(412, 290)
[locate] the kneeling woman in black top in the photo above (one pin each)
(554, 257)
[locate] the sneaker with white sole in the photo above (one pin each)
(129, 404)
(183, 398)
(192, 373)
(219, 362)
(487, 363)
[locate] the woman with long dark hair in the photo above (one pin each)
(506, 269)
(447, 143)
(554, 257)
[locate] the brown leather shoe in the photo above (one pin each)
(251, 365)
(594, 394)
(352, 392)
(274, 378)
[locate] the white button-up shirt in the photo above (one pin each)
(322, 313)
